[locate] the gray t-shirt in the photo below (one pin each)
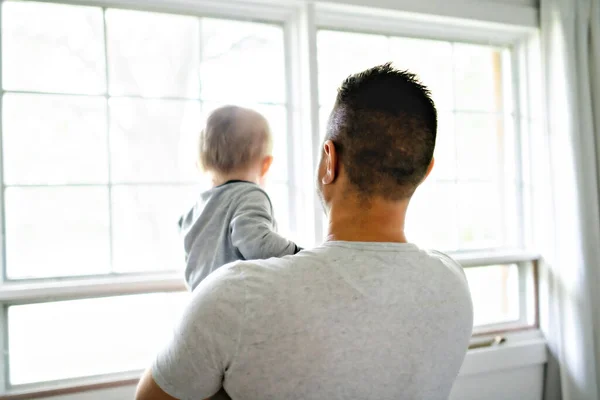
(346, 320)
(229, 223)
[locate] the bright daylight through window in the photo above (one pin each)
(101, 110)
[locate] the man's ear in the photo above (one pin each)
(330, 159)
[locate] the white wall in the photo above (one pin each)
(518, 383)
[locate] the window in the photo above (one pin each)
(100, 112)
(470, 202)
(133, 87)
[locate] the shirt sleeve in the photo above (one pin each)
(206, 339)
(253, 229)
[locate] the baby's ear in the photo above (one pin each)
(429, 168)
(266, 165)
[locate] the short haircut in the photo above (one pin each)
(233, 138)
(384, 125)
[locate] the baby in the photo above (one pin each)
(234, 219)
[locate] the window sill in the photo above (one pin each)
(87, 287)
(83, 385)
(521, 349)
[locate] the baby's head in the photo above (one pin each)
(236, 143)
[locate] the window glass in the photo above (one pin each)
(242, 62)
(50, 139)
(153, 55)
(56, 231)
(78, 338)
(52, 48)
(495, 293)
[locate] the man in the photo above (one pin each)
(364, 316)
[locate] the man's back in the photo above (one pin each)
(347, 320)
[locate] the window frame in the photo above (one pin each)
(300, 21)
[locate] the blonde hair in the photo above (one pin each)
(233, 138)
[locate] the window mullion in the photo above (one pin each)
(292, 157)
(515, 56)
(525, 274)
(4, 360)
(306, 48)
(303, 123)
(2, 213)
(4, 373)
(3, 320)
(108, 158)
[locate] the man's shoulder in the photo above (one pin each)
(270, 266)
(236, 273)
(448, 261)
(220, 283)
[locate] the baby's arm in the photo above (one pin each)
(253, 229)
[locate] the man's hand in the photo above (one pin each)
(148, 389)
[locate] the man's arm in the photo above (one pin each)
(148, 389)
(253, 230)
(204, 343)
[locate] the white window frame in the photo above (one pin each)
(300, 19)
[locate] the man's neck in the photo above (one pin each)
(379, 221)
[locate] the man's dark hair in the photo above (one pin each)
(384, 125)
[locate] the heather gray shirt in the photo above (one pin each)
(346, 320)
(230, 222)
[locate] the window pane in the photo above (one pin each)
(280, 198)
(431, 219)
(495, 293)
(431, 61)
(479, 139)
(324, 113)
(444, 168)
(154, 55)
(88, 337)
(242, 62)
(56, 231)
(54, 139)
(343, 53)
(478, 78)
(154, 140)
(52, 48)
(145, 231)
(481, 214)
(276, 115)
